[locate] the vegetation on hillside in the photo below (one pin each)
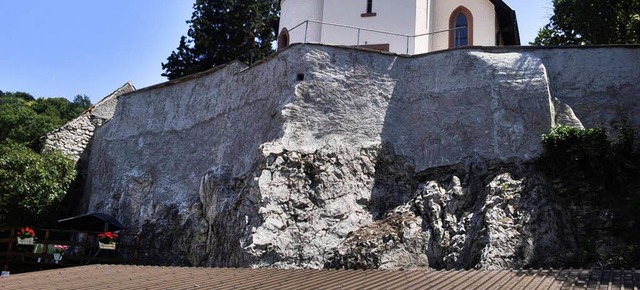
(224, 30)
(32, 185)
(576, 22)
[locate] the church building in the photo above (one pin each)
(399, 26)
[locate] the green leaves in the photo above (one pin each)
(596, 179)
(81, 102)
(576, 22)
(24, 119)
(20, 123)
(31, 184)
(222, 31)
(587, 156)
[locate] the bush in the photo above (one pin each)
(597, 176)
(579, 157)
(31, 185)
(575, 153)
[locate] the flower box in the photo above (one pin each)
(26, 241)
(110, 246)
(26, 236)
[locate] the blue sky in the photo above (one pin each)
(61, 48)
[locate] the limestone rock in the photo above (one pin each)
(372, 160)
(396, 242)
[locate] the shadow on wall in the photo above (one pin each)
(75, 139)
(467, 118)
(598, 83)
(434, 118)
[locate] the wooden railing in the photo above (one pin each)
(82, 249)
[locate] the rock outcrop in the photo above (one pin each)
(334, 157)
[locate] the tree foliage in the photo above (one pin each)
(580, 157)
(58, 109)
(31, 184)
(21, 124)
(82, 102)
(577, 22)
(224, 30)
(24, 119)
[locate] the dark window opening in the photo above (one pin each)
(461, 31)
(283, 38)
(369, 12)
(460, 28)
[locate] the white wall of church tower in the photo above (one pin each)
(422, 26)
(484, 21)
(426, 21)
(397, 16)
(294, 12)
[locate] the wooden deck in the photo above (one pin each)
(150, 277)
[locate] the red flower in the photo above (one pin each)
(60, 248)
(26, 232)
(107, 237)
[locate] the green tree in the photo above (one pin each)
(59, 109)
(591, 22)
(19, 123)
(82, 101)
(19, 95)
(24, 119)
(31, 185)
(224, 30)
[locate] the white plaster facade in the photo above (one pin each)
(399, 26)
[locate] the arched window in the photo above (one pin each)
(283, 38)
(461, 34)
(461, 25)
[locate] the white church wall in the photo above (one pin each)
(484, 21)
(295, 12)
(396, 16)
(403, 17)
(421, 43)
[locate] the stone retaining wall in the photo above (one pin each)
(281, 163)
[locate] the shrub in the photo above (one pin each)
(600, 176)
(31, 185)
(586, 157)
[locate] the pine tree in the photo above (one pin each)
(224, 30)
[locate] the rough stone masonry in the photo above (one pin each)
(331, 157)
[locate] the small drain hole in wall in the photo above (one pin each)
(300, 77)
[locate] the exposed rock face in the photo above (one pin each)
(372, 161)
(483, 217)
(395, 242)
(474, 215)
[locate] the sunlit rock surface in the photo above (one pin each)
(340, 158)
